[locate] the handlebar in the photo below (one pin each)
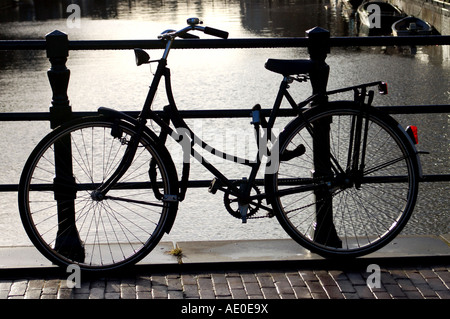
(193, 25)
(216, 32)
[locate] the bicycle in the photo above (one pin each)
(341, 178)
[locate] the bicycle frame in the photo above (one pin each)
(187, 138)
(184, 136)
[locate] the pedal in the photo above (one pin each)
(215, 184)
(243, 209)
(170, 198)
(288, 155)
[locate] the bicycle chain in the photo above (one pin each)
(271, 215)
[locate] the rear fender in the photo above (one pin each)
(413, 145)
(270, 174)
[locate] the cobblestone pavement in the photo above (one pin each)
(410, 282)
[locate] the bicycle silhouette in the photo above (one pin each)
(341, 178)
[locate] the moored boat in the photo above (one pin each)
(377, 17)
(411, 26)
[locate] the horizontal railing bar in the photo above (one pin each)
(206, 183)
(389, 40)
(224, 113)
(243, 43)
(24, 116)
(436, 178)
(415, 109)
(22, 45)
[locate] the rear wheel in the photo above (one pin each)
(323, 203)
(69, 222)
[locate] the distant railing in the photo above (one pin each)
(318, 43)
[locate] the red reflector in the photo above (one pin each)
(412, 132)
(382, 88)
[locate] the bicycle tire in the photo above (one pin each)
(354, 219)
(104, 234)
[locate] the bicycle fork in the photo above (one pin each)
(100, 193)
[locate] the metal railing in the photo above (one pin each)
(245, 43)
(317, 41)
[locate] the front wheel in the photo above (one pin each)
(65, 217)
(327, 205)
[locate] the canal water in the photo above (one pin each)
(211, 79)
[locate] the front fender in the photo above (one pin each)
(113, 114)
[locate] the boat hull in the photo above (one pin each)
(411, 26)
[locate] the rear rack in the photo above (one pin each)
(382, 88)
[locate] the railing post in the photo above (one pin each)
(318, 48)
(57, 45)
(68, 242)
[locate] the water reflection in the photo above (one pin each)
(286, 18)
(261, 17)
(43, 10)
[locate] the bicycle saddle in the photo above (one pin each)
(289, 67)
